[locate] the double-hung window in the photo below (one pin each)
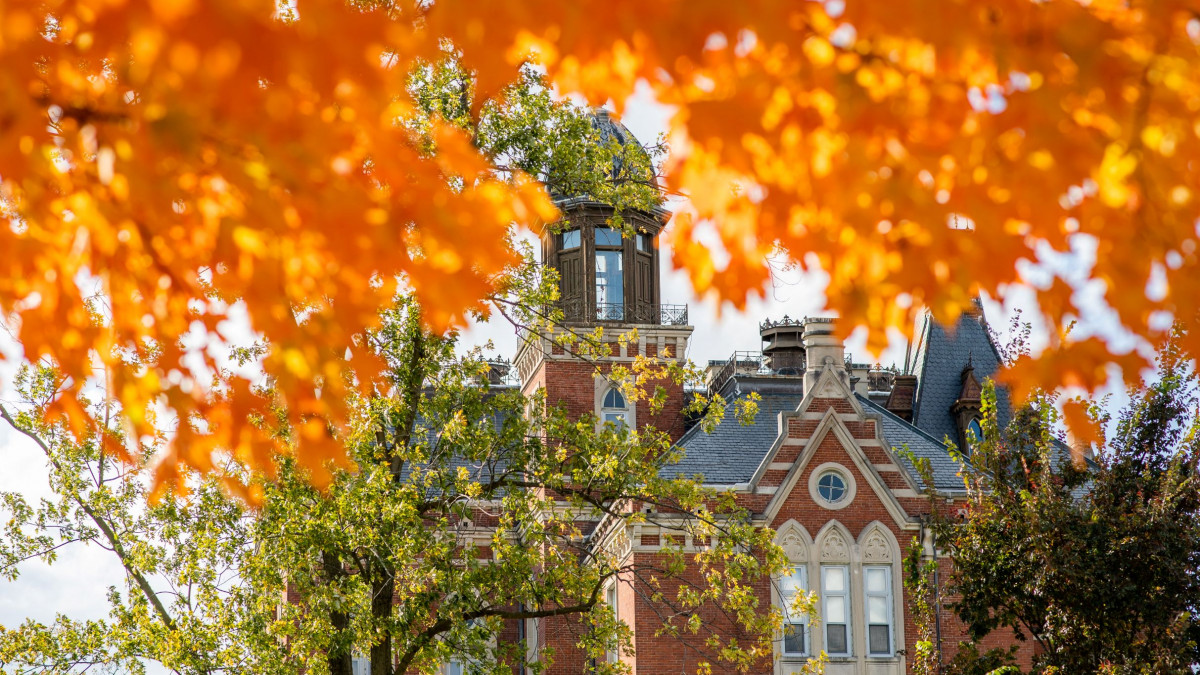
(878, 584)
(611, 597)
(795, 622)
(835, 598)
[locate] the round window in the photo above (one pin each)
(831, 486)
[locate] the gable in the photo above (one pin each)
(833, 447)
(830, 428)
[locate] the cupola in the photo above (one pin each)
(607, 274)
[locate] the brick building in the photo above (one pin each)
(822, 465)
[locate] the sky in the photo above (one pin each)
(77, 583)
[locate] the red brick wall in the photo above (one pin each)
(657, 654)
(572, 385)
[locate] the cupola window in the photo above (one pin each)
(606, 236)
(610, 275)
(644, 242)
(571, 239)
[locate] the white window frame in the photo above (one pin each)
(888, 603)
(611, 598)
(787, 600)
(620, 413)
(848, 617)
(360, 665)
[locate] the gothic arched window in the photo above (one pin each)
(614, 408)
(974, 435)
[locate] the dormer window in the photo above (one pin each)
(966, 410)
(614, 408)
(974, 434)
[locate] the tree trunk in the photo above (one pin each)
(383, 589)
(339, 655)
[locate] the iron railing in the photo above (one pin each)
(743, 362)
(881, 379)
(643, 313)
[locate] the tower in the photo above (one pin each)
(783, 345)
(609, 278)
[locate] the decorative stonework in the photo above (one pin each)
(620, 545)
(829, 389)
(876, 548)
(834, 548)
(793, 546)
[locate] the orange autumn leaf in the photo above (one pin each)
(171, 153)
(1083, 430)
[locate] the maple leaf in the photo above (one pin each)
(174, 153)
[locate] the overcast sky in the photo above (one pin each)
(77, 583)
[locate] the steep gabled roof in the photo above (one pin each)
(939, 362)
(899, 434)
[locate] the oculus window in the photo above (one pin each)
(832, 487)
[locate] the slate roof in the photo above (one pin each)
(480, 470)
(899, 434)
(732, 452)
(940, 358)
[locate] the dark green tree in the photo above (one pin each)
(1098, 562)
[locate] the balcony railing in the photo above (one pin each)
(741, 362)
(643, 313)
(751, 363)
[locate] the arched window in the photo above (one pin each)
(974, 435)
(614, 408)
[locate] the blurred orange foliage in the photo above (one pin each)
(172, 156)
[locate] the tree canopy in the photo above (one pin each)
(161, 160)
(468, 507)
(1094, 561)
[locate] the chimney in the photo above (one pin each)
(822, 346)
(900, 401)
(859, 378)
